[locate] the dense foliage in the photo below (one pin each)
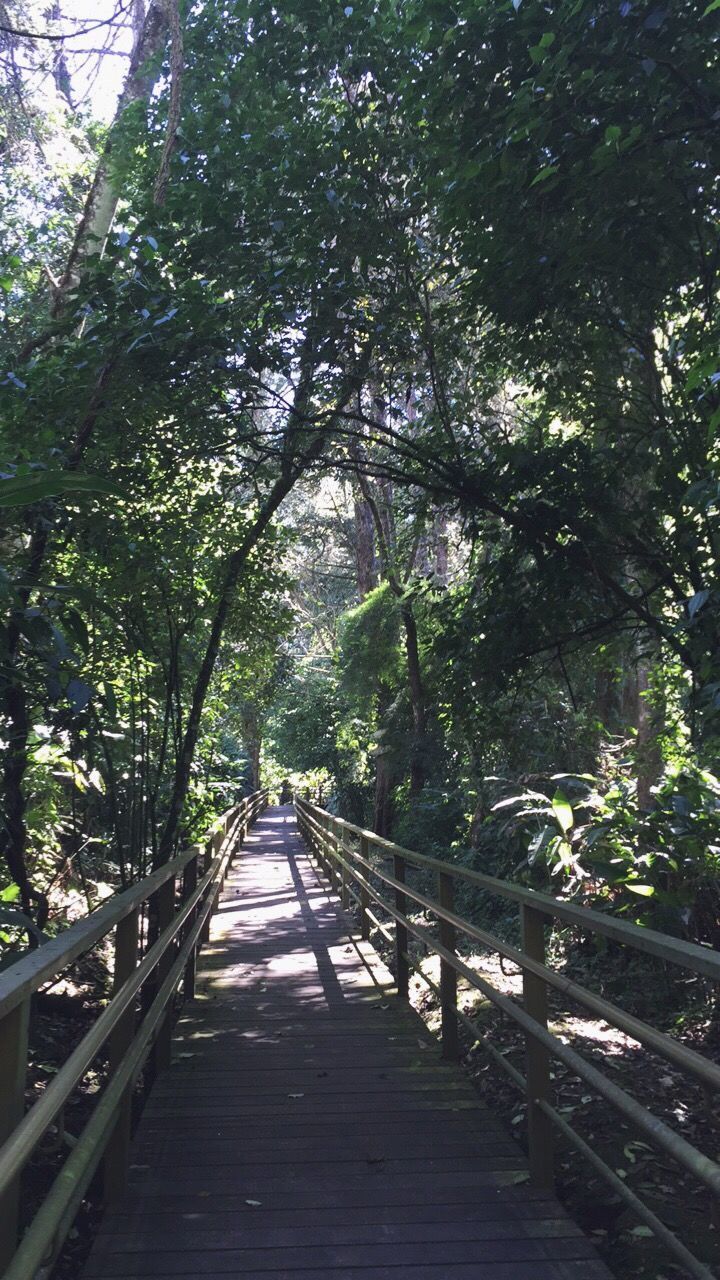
(368, 412)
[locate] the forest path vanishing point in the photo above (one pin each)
(308, 1128)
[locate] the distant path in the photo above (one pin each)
(308, 1130)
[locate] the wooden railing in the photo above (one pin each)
(180, 925)
(356, 860)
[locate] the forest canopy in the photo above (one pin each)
(359, 423)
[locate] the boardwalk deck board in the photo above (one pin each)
(307, 1129)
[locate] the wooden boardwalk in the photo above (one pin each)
(308, 1130)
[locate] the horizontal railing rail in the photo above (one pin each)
(353, 858)
(130, 1033)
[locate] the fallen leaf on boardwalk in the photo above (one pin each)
(296, 1095)
(254, 1203)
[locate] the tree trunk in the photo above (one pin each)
(384, 528)
(382, 822)
(417, 701)
(440, 525)
(255, 750)
(365, 566)
(235, 566)
(252, 740)
(102, 199)
(647, 718)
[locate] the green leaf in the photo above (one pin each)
(715, 5)
(644, 890)
(544, 174)
(563, 810)
(21, 491)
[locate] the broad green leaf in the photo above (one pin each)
(544, 174)
(563, 810)
(20, 491)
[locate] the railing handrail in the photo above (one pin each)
(687, 955)
(169, 961)
(27, 974)
(326, 836)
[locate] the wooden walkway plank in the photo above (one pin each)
(308, 1129)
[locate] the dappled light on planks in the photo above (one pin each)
(308, 1126)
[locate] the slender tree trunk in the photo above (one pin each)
(417, 701)
(102, 199)
(255, 751)
(252, 740)
(440, 530)
(384, 528)
(382, 821)
(647, 717)
(366, 569)
(235, 566)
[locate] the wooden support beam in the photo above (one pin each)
(165, 907)
(13, 1070)
(117, 1153)
(190, 879)
(448, 974)
(540, 1132)
(364, 895)
(402, 969)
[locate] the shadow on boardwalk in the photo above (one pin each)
(308, 1130)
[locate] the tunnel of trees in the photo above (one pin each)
(359, 407)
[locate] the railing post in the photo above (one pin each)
(540, 1135)
(345, 855)
(402, 969)
(364, 895)
(190, 879)
(326, 855)
(324, 821)
(212, 849)
(13, 1070)
(315, 842)
(448, 975)
(165, 898)
(117, 1152)
(333, 847)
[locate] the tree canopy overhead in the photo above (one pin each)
(360, 409)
